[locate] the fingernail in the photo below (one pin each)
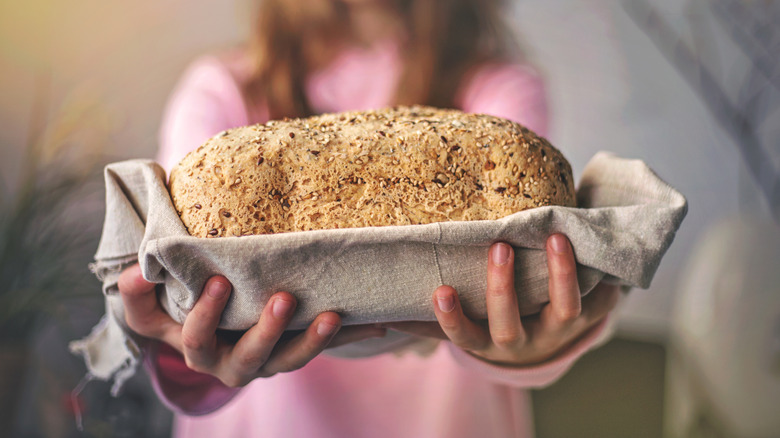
(282, 308)
(500, 254)
(446, 303)
(326, 329)
(217, 289)
(558, 243)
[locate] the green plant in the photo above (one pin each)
(50, 221)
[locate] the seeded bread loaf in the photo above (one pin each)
(400, 166)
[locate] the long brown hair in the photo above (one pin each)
(443, 40)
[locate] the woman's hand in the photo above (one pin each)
(259, 352)
(506, 338)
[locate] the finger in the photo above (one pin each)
(143, 312)
(506, 329)
(253, 349)
(304, 347)
(132, 282)
(462, 331)
(595, 306)
(356, 333)
(199, 333)
(565, 301)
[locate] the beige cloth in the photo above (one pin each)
(626, 221)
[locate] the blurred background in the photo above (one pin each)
(690, 86)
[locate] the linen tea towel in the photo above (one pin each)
(625, 221)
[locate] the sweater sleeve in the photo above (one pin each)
(181, 389)
(544, 373)
(206, 100)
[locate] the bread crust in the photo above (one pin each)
(397, 166)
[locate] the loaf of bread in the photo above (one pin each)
(399, 166)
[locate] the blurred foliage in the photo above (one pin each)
(50, 218)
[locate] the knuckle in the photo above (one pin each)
(568, 313)
(250, 361)
(500, 289)
(506, 338)
(501, 280)
(193, 343)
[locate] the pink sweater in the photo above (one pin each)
(446, 393)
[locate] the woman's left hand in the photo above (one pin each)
(506, 338)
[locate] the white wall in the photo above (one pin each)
(612, 89)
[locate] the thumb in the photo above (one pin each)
(132, 282)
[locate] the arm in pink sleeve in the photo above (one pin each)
(512, 91)
(181, 389)
(542, 374)
(206, 100)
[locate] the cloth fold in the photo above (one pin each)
(625, 221)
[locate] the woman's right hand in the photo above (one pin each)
(258, 353)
